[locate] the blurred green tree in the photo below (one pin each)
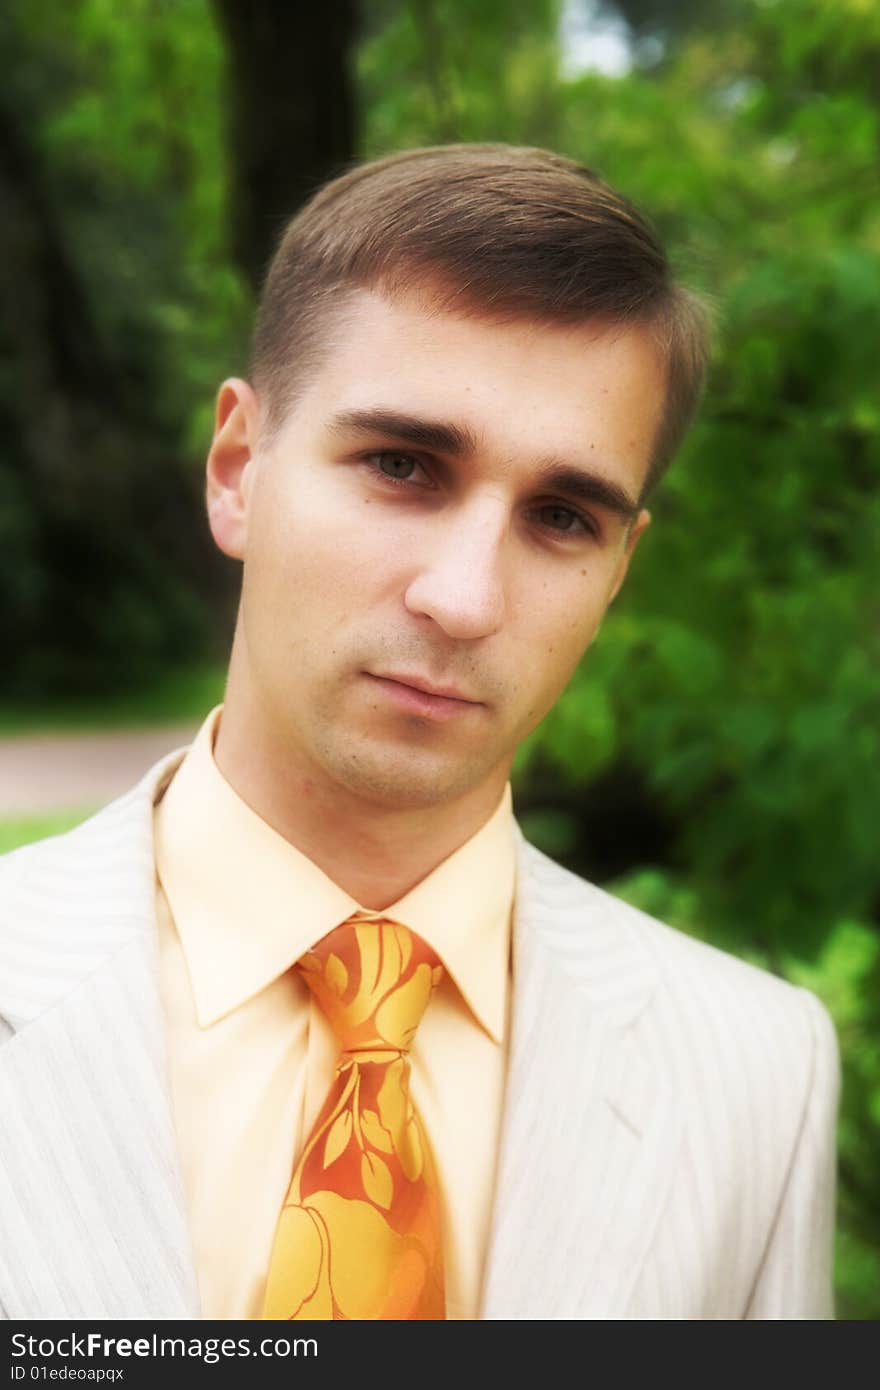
(291, 115)
(137, 213)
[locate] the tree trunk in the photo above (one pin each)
(291, 112)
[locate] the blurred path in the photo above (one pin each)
(42, 773)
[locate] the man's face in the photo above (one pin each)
(451, 505)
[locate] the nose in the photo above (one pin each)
(460, 583)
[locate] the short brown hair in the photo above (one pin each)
(500, 231)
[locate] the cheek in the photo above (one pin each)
(564, 653)
(558, 635)
(315, 557)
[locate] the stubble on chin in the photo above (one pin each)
(404, 778)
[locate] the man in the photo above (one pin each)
(302, 1026)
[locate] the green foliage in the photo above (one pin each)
(134, 132)
(14, 833)
(847, 975)
(181, 695)
(120, 308)
(430, 73)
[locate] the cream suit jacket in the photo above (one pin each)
(667, 1146)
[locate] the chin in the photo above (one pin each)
(406, 782)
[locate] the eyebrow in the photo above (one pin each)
(444, 437)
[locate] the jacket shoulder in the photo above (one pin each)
(68, 901)
(709, 987)
(744, 1068)
(68, 855)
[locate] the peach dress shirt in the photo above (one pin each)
(251, 1055)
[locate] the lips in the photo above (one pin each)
(444, 692)
(431, 703)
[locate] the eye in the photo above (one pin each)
(564, 520)
(393, 465)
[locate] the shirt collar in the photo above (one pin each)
(247, 904)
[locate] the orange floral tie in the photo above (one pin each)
(359, 1235)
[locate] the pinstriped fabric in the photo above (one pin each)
(66, 902)
(748, 1089)
(89, 1161)
(668, 1139)
(589, 1136)
(589, 932)
(92, 1219)
(691, 1125)
(806, 1206)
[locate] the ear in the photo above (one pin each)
(231, 464)
(638, 528)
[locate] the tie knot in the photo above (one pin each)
(373, 980)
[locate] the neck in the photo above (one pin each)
(376, 853)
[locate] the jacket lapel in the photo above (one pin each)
(591, 1121)
(91, 1194)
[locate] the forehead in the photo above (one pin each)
(517, 388)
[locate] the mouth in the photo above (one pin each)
(414, 696)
